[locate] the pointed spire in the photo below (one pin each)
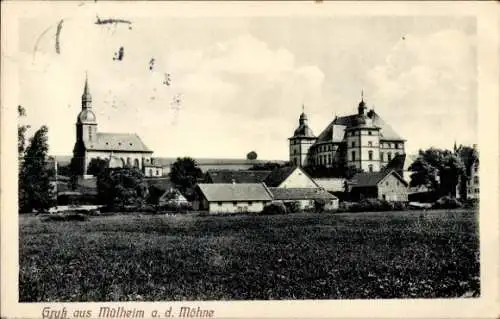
(86, 97)
(362, 98)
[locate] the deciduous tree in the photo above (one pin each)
(185, 173)
(35, 191)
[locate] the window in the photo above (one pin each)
(369, 132)
(370, 168)
(476, 180)
(476, 168)
(353, 156)
(136, 163)
(370, 143)
(386, 183)
(353, 144)
(294, 152)
(250, 203)
(235, 203)
(370, 155)
(381, 156)
(157, 172)
(129, 161)
(396, 145)
(329, 159)
(389, 156)
(219, 203)
(295, 161)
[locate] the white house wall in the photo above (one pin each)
(231, 208)
(298, 180)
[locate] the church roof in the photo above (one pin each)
(117, 142)
(335, 130)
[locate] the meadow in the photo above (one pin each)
(138, 257)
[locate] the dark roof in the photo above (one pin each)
(397, 163)
(236, 176)
(335, 130)
(235, 192)
(372, 179)
(117, 142)
(162, 183)
(278, 175)
(280, 193)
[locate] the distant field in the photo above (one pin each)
(301, 256)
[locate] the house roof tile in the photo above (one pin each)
(280, 193)
(235, 192)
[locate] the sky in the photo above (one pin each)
(241, 82)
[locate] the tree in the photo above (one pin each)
(468, 156)
(97, 166)
(252, 155)
(21, 131)
(438, 170)
(118, 188)
(34, 183)
(185, 173)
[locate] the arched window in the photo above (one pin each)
(370, 168)
(150, 172)
(129, 161)
(136, 163)
(370, 155)
(123, 161)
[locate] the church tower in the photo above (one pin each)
(86, 125)
(363, 140)
(302, 139)
(86, 129)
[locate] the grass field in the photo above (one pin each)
(300, 256)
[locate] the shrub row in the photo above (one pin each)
(371, 204)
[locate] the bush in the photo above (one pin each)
(447, 202)
(292, 207)
(274, 208)
(371, 205)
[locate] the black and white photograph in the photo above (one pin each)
(245, 154)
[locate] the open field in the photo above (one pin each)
(302, 256)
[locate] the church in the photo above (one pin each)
(121, 149)
(362, 140)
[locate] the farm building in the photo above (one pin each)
(231, 198)
(235, 176)
(305, 197)
(332, 185)
(290, 177)
(386, 185)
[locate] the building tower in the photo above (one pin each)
(302, 139)
(363, 142)
(86, 128)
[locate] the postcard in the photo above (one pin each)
(250, 159)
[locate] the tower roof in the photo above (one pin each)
(86, 97)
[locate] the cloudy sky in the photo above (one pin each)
(241, 81)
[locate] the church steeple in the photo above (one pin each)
(86, 97)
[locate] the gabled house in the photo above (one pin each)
(290, 177)
(385, 185)
(235, 176)
(231, 198)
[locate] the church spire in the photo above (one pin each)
(86, 97)
(362, 105)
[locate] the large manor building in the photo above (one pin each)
(121, 149)
(362, 140)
